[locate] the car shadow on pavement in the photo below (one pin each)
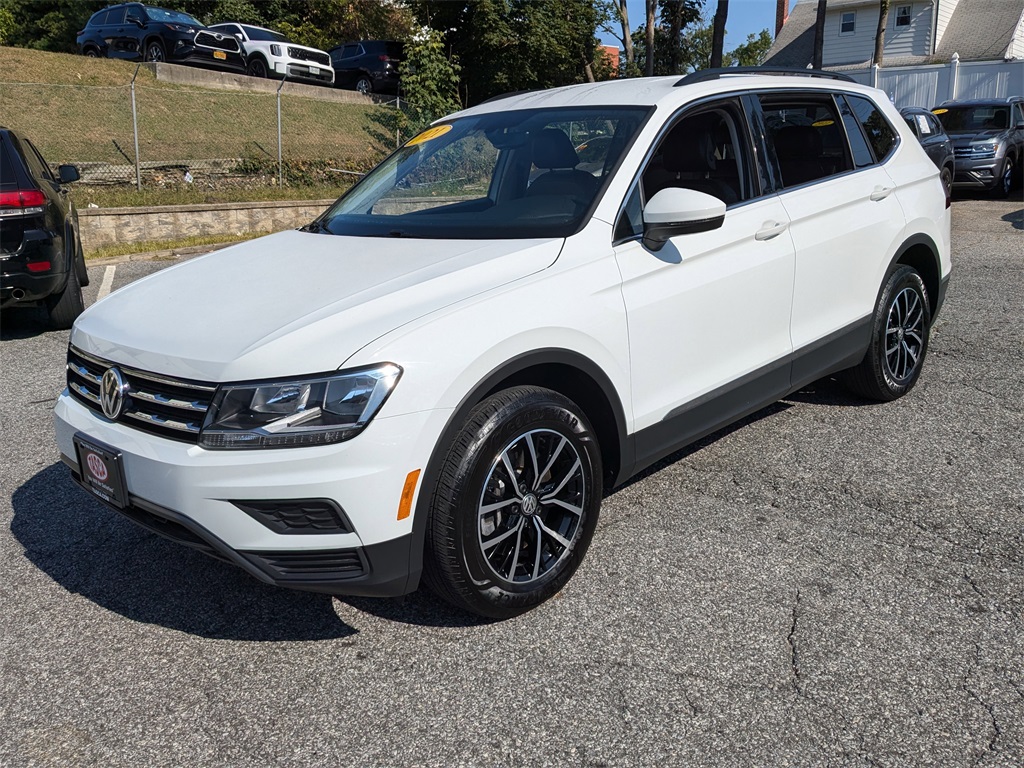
(1016, 219)
(828, 391)
(91, 550)
(22, 323)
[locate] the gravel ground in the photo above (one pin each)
(830, 582)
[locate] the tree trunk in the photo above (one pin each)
(675, 30)
(819, 35)
(652, 7)
(883, 18)
(627, 39)
(718, 34)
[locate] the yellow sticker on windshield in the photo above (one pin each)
(939, 111)
(427, 135)
(822, 123)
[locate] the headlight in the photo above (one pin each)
(988, 148)
(297, 412)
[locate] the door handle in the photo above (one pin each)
(880, 193)
(770, 229)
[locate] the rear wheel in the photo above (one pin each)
(946, 175)
(899, 339)
(516, 504)
(92, 53)
(364, 84)
(65, 307)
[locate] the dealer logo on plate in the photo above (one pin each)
(97, 467)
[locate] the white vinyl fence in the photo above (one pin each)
(931, 84)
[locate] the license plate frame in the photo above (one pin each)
(101, 468)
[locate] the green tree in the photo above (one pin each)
(752, 53)
(48, 25)
(430, 78)
(514, 45)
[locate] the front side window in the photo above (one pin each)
(515, 174)
(903, 16)
(806, 135)
(880, 134)
(848, 23)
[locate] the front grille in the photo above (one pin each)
(304, 55)
(225, 43)
(160, 405)
(968, 153)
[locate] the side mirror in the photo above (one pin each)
(674, 211)
(68, 173)
(1020, 125)
(239, 36)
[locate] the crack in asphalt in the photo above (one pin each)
(794, 654)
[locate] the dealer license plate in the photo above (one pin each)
(102, 471)
(220, 55)
(314, 70)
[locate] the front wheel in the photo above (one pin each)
(899, 339)
(946, 175)
(516, 504)
(154, 51)
(1007, 180)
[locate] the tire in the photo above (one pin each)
(154, 51)
(67, 305)
(1006, 181)
(498, 550)
(77, 257)
(91, 53)
(899, 339)
(257, 68)
(364, 85)
(946, 175)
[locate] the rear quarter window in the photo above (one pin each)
(8, 173)
(880, 134)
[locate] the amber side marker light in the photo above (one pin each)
(405, 505)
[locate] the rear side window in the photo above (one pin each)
(98, 19)
(806, 135)
(862, 155)
(880, 134)
(8, 174)
(115, 16)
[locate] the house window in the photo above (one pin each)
(848, 23)
(903, 15)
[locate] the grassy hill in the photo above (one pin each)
(78, 110)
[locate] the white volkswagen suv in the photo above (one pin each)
(440, 377)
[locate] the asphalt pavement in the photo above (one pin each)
(829, 583)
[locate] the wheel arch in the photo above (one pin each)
(151, 38)
(564, 371)
(921, 253)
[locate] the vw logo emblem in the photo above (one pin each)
(530, 505)
(113, 389)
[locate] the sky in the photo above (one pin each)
(746, 17)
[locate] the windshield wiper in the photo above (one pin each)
(316, 227)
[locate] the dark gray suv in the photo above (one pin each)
(988, 140)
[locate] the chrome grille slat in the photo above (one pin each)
(162, 405)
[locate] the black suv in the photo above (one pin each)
(41, 259)
(933, 138)
(367, 66)
(988, 139)
(144, 32)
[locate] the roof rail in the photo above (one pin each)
(501, 96)
(702, 75)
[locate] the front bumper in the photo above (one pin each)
(305, 71)
(978, 174)
(186, 52)
(188, 494)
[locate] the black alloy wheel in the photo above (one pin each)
(516, 504)
(154, 51)
(257, 68)
(899, 338)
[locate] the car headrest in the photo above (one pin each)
(553, 149)
(796, 142)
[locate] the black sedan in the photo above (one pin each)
(144, 32)
(41, 261)
(933, 138)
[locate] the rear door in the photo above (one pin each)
(845, 217)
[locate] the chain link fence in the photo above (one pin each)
(162, 137)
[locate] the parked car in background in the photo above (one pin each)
(147, 33)
(933, 138)
(442, 374)
(368, 66)
(988, 141)
(41, 260)
(271, 54)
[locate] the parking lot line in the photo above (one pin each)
(108, 282)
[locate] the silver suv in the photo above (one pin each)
(988, 141)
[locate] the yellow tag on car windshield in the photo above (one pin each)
(822, 123)
(427, 135)
(939, 111)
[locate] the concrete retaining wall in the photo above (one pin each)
(107, 226)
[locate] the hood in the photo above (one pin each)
(966, 138)
(293, 303)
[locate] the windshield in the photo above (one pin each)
(515, 174)
(974, 119)
(171, 17)
(264, 35)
